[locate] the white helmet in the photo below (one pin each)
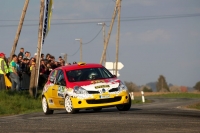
(93, 75)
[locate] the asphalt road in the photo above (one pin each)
(162, 116)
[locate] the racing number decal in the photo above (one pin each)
(102, 86)
(97, 81)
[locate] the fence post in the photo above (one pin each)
(143, 99)
(132, 95)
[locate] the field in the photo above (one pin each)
(168, 94)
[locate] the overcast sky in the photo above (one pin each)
(150, 44)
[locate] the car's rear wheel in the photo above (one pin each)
(97, 109)
(125, 107)
(45, 107)
(69, 106)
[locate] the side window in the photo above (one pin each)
(60, 79)
(52, 76)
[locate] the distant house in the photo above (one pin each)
(183, 89)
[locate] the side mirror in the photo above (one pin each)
(114, 76)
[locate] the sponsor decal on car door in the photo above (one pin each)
(58, 89)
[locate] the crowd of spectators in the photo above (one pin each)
(25, 64)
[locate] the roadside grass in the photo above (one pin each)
(175, 95)
(168, 94)
(194, 106)
(12, 103)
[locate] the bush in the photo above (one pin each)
(131, 86)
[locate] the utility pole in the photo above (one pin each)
(81, 55)
(104, 39)
(19, 28)
(35, 73)
(118, 36)
(110, 30)
(65, 58)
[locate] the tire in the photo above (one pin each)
(69, 106)
(125, 107)
(97, 109)
(45, 107)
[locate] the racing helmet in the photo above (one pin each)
(93, 75)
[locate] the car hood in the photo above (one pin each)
(95, 85)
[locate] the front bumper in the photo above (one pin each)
(100, 100)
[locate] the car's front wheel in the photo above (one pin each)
(125, 107)
(45, 107)
(69, 106)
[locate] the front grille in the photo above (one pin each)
(113, 90)
(100, 101)
(93, 92)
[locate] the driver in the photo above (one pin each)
(93, 75)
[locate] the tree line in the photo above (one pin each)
(161, 86)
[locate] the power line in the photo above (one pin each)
(75, 52)
(86, 43)
(95, 20)
(94, 37)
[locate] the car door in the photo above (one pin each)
(59, 88)
(48, 88)
(50, 83)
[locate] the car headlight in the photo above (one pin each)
(79, 90)
(122, 86)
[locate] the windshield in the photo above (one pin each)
(88, 74)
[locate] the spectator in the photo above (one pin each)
(48, 69)
(59, 58)
(35, 55)
(62, 62)
(26, 55)
(25, 66)
(20, 58)
(32, 63)
(25, 78)
(13, 73)
(21, 53)
(42, 77)
(42, 56)
(74, 62)
(3, 71)
(47, 56)
(29, 55)
(19, 68)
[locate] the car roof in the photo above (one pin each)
(79, 66)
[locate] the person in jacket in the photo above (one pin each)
(3, 71)
(13, 74)
(21, 53)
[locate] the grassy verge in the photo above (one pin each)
(176, 95)
(18, 103)
(194, 106)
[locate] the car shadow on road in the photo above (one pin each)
(104, 110)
